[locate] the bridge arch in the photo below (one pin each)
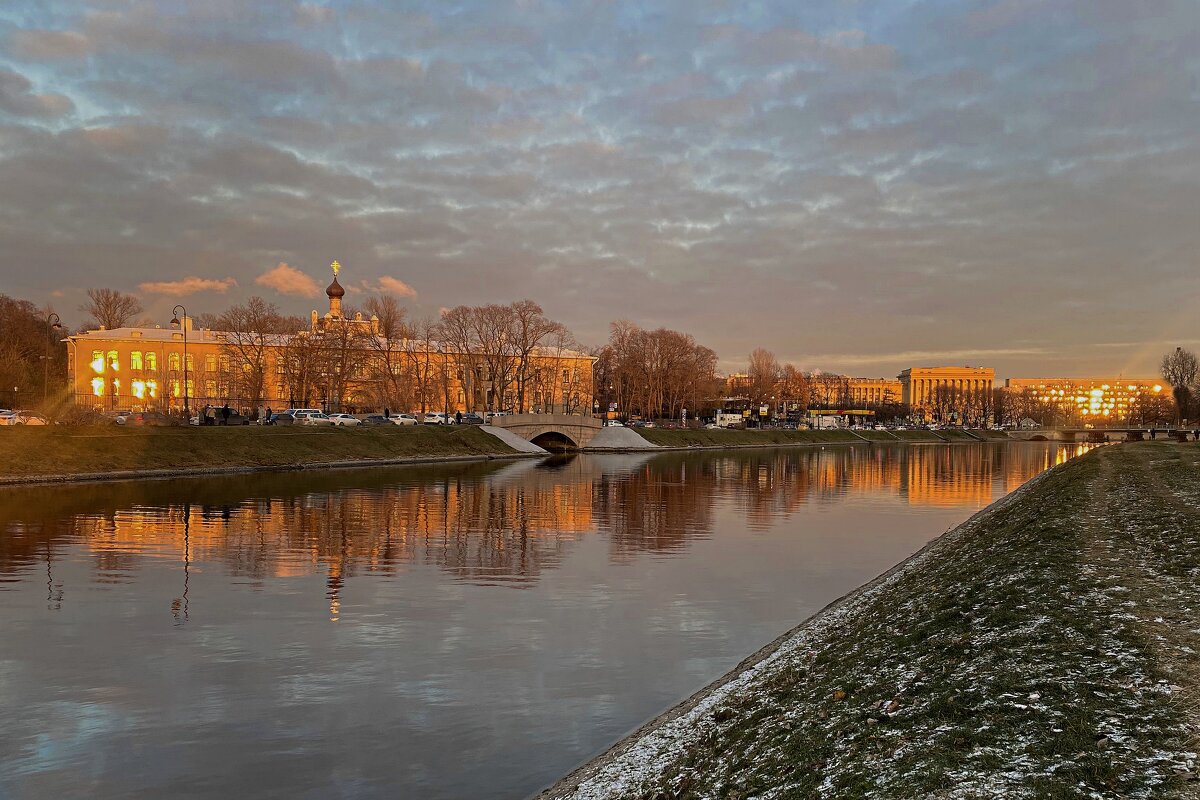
(554, 440)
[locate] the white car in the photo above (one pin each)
(8, 417)
(313, 418)
(345, 420)
(438, 418)
(615, 423)
(27, 418)
(404, 419)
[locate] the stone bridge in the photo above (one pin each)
(551, 431)
(1097, 434)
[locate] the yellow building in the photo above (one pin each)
(338, 364)
(948, 394)
(874, 392)
(1116, 399)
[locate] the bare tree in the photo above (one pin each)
(764, 373)
(392, 381)
(1179, 369)
(251, 332)
(111, 308)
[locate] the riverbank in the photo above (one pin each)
(777, 437)
(1045, 648)
(42, 455)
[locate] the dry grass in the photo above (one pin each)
(74, 451)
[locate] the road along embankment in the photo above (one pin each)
(59, 454)
(1044, 648)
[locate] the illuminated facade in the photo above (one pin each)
(874, 392)
(338, 364)
(1116, 399)
(948, 393)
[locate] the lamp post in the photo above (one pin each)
(182, 324)
(55, 325)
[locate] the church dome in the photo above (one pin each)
(335, 290)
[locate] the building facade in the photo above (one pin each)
(949, 394)
(1068, 400)
(874, 392)
(339, 364)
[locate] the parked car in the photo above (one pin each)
(488, 416)
(438, 418)
(404, 419)
(376, 419)
(22, 418)
(471, 418)
(315, 418)
(615, 423)
(345, 420)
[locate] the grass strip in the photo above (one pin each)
(34, 451)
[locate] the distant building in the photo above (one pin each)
(1116, 399)
(949, 394)
(874, 392)
(339, 363)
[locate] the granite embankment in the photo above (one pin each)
(1045, 648)
(51, 454)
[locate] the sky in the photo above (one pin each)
(857, 186)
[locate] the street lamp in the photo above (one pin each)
(55, 325)
(176, 322)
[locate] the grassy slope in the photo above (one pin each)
(725, 438)
(918, 436)
(1027, 656)
(61, 451)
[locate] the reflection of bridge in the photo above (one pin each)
(1097, 434)
(551, 431)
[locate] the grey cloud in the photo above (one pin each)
(49, 45)
(18, 99)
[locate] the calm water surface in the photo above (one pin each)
(437, 632)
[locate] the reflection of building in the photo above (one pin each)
(1116, 398)
(948, 393)
(338, 362)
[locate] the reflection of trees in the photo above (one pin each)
(483, 523)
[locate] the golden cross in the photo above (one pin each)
(336, 267)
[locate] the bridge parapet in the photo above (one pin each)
(549, 430)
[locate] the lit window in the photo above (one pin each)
(114, 362)
(173, 363)
(135, 360)
(152, 362)
(97, 361)
(210, 362)
(98, 386)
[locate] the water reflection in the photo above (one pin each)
(469, 630)
(488, 524)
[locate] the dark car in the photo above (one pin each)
(376, 419)
(471, 418)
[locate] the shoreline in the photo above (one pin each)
(8, 481)
(67, 478)
(748, 667)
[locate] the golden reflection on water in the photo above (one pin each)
(482, 523)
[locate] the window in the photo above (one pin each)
(191, 362)
(135, 359)
(98, 361)
(114, 361)
(566, 376)
(173, 365)
(210, 388)
(210, 363)
(152, 362)
(224, 363)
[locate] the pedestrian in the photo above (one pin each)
(386, 413)
(267, 417)
(458, 418)
(225, 414)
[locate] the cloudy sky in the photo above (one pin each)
(859, 186)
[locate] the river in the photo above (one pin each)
(458, 631)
